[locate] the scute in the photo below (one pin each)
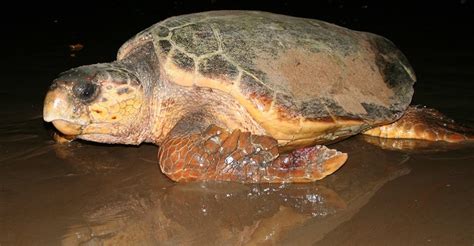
(164, 46)
(303, 80)
(183, 61)
(197, 39)
(218, 67)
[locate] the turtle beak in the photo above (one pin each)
(58, 109)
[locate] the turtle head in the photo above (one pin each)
(100, 102)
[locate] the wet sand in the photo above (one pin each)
(93, 194)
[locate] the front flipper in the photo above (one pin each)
(215, 154)
(425, 124)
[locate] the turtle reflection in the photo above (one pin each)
(198, 213)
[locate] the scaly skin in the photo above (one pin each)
(216, 154)
(425, 124)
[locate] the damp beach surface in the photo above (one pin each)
(94, 194)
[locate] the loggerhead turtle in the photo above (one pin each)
(245, 96)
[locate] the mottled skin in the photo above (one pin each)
(244, 96)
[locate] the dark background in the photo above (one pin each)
(408, 24)
(432, 34)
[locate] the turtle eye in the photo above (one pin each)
(85, 91)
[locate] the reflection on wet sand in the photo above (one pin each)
(196, 213)
(140, 205)
(107, 194)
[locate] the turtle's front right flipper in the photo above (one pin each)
(424, 124)
(215, 154)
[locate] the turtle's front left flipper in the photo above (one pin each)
(424, 124)
(215, 154)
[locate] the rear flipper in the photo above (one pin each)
(425, 124)
(215, 154)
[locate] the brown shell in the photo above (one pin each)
(303, 80)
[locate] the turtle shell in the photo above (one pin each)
(302, 80)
